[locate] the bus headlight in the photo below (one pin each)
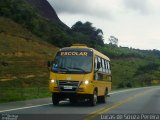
(86, 82)
(53, 81)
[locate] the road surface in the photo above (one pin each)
(138, 103)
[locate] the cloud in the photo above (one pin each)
(69, 6)
(84, 7)
(141, 6)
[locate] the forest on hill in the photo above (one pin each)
(52, 31)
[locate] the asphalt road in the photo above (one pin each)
(139, 103)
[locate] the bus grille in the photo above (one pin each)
(68, 86)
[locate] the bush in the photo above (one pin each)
(129, 85)
(121, 85)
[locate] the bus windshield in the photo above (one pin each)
(73, 62)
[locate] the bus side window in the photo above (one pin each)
(95, 63)
(109, 68)
(95, 67)
(98, 75)
(100, 61)
(103, 66)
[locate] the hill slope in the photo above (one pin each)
(31, 17)
(23, 63)
(45, 9)
(19, 46)
(132, 67)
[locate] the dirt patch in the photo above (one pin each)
(7, 78)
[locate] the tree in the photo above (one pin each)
(113, 40)
(95, 35)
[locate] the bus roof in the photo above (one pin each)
(100, 54)
(81, 46)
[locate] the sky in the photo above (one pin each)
(136, 23)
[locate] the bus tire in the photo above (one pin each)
(103, 99)
(93, 99)
(55, 99)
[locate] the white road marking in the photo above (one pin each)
(63, 101)
(25, 107)
(127, 90)
(124, 91)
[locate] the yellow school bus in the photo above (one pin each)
(80, 73)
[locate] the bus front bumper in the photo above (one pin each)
(82, 89)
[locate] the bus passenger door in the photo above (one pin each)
(99, 76)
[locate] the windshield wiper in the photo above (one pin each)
(66, 68)
(79, 69)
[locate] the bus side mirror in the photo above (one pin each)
(49, 64)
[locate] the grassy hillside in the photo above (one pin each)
(132, 67)
(23, 58)
(22, 50)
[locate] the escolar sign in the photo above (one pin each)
(74, 54)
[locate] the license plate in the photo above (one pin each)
(67, 87)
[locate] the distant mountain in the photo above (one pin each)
(38, 17)
(45, 9)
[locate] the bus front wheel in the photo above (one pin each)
(93, 99)
(55, 99)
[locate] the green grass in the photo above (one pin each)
(17, 94)
(123, 71)
(24, 89)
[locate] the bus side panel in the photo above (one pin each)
(103, 83)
